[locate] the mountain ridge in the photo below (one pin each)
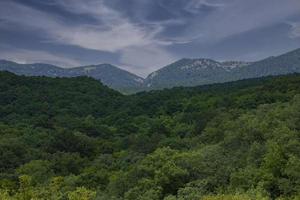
(183, 72)
(193, 72)
(108, 74)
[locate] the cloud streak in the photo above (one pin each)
(295, 29)
(238, 17)
(114, 34)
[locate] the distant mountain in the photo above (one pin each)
(109, 75)
(287, 63)
(37, 69)
(192, 72)
(184, 72)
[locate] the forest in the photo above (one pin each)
(76, 139)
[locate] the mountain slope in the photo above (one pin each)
(284, 64)
(109, 75)
(37, 69)
(193, 72)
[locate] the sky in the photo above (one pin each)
(144, 35)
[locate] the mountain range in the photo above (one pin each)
(109, 75)
(184, 72)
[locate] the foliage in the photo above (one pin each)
(77, 139)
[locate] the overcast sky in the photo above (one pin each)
(143, 35)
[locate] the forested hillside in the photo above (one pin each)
(76, 139)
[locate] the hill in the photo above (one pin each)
(70, 138)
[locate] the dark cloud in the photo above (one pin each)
(143, 35)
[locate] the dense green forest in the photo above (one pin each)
(76, 139)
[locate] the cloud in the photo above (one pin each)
(295, 30)
(194, 6)
(113, 32)
(238, 17)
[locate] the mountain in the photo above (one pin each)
(184, 72)
(37, 69)
(287, 63)
(193, 72)
(109, 75)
